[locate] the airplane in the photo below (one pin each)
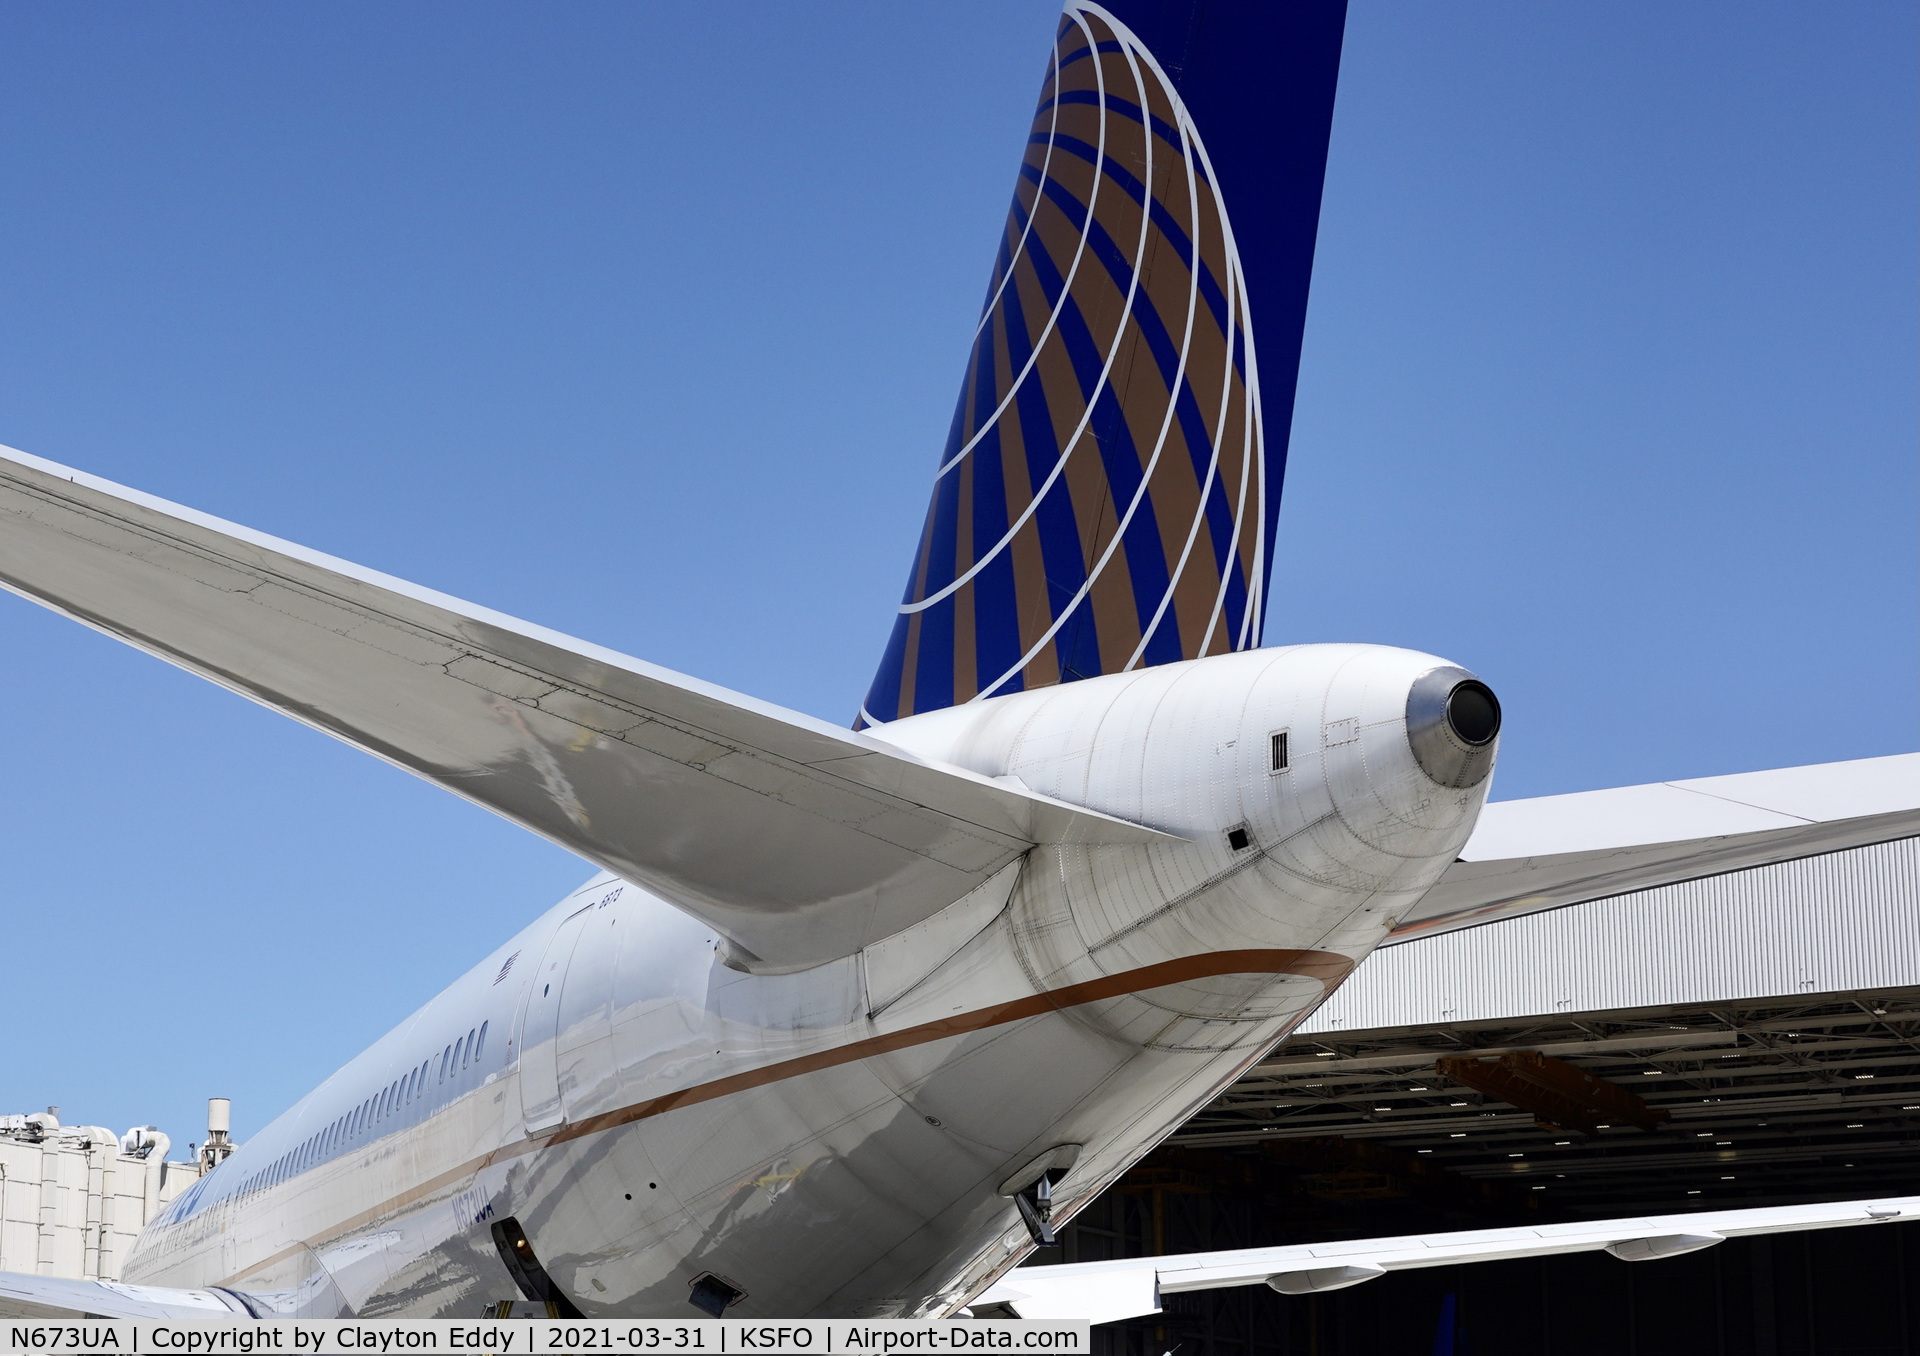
(848, 1022)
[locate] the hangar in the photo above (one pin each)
(1748, 1039)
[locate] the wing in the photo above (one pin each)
(1105, 1292)
(1528, 855)
(798, 841)
(57, 1297)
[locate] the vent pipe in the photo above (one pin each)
(219, 1121)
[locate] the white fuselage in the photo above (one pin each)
(839, 1141)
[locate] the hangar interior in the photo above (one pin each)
(1750, 1039)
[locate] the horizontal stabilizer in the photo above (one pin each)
(1106, 1292)
(796, 840)
(1529, 855)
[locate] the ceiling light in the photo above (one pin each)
(1879, 1012)
(1416, 1089)
(1694, 1192)
(1863, 1075)
(1855, 1125)
(1561, 1143)
(1423, 1151)
(1458, 1134)
(1383, 1108)
(1456, 1103)
(1648, 1073)
(1721, 1143)
(1540, 1188)
(1516, 1155)
(1703, 1134)
(1325, 1054)
(1726, 1179)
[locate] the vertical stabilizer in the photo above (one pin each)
(1107, 495)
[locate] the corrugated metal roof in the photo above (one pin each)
(1845, 921)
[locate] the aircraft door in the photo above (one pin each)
(539, 1068)
(584, 1048)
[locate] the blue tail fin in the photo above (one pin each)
(1107, 496)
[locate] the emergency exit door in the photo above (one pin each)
(539, 1060)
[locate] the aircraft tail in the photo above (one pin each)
(1108, 493)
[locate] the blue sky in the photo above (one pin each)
(645, 324)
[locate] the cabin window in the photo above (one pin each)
(444, 1056)
(1277, 752)
(466, 1059)
(480, 1048)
